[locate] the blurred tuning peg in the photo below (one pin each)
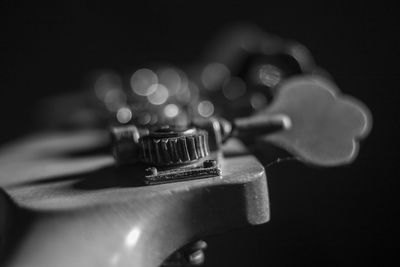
(312, 120)
(238, 44)
(256, 63)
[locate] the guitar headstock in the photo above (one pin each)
(81, 210)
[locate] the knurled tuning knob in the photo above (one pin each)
(173, 146)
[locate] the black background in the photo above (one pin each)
(326, 217)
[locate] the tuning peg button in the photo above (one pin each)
(326, 125)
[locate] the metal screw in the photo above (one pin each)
(151, 171)
(209, 163)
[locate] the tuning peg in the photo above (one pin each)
(312, 120)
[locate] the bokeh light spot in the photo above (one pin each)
(171, 79)
(159, 96)
(171, 110)
(205, 108)
(234, 88)
(258, 101)
(214, 75)
(114, 99)
(142, 82)
(269, 75)
(105, 82)
(144, 118)
(124, 115)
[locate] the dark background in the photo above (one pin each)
(326, 217)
